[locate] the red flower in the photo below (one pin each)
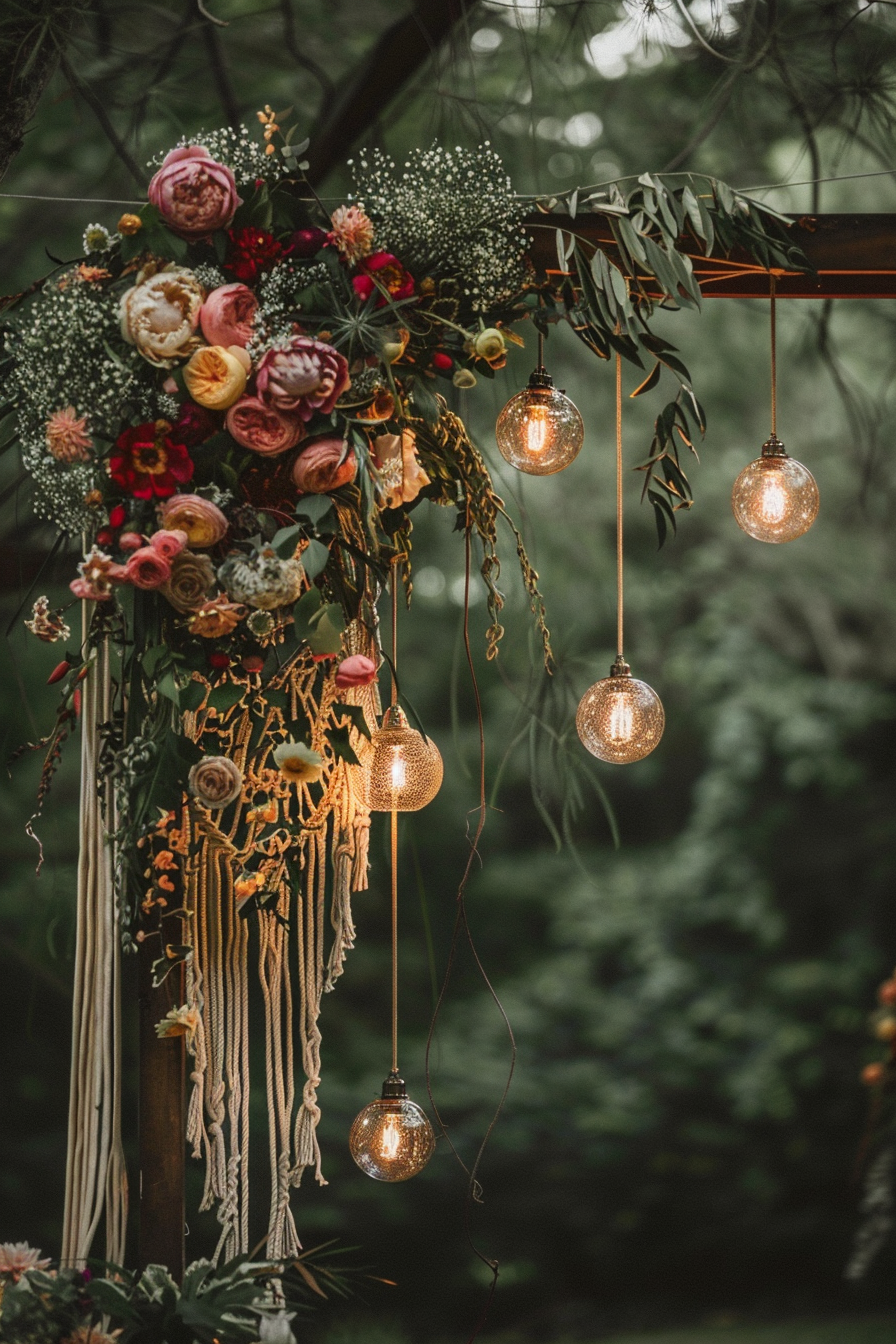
(442, 361)
(148, 462)
(381, 272)
(251, 252)
(117, 517)
(194, 424)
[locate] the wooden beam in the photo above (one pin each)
(854, 257)
(162, 1122)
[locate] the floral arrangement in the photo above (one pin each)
(238, 399)
(238, 1303)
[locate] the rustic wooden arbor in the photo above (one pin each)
(854, 257)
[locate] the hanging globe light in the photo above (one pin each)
(620, 719)
(402, 768)
(540, 431)
(392, 1139)
(775, 498)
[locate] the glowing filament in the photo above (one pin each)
(622, 718)
(537, 428)
(773, 501)
(399, 773)
(390, 1140)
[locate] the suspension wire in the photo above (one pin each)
(619, 505)
(393, 826)
(394, 838)
(540, 351)
(774, 353)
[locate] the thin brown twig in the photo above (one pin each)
(97, 108)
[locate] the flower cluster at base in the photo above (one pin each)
(237, 1303)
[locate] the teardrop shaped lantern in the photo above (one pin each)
(402, 768)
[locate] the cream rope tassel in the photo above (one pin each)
(95, 1175)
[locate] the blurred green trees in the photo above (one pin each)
(689, 1007)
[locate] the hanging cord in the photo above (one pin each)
(619, 619)
(541, 352)
(774, 335)
(394, 828)
(394, 821)
(462, 927)
(396, 561)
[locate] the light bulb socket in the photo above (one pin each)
(773, 447)
(540, 380)
(394, 1088)
(395, 717)
(620, 668)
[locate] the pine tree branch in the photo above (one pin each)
(31, 37)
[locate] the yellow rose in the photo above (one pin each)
(216, 377)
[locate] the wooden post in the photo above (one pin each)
(162, 1119)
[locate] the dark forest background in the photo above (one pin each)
(690, 1004)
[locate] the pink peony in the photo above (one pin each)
(358, 670)
(194, 194)
(351, 232)
(67, 437)
(147, 568)
(261, 428)
(226, 316)
(323, 466)
(302, 377)
(168, 544)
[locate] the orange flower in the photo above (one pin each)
(382, 407)
(216, 618)
(165, 860)
(165, 883)
(128, 225)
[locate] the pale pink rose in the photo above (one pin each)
(261, 428)
(323, 466)
(203, 521)
(194, 194)
(67, 437)
(302, 377)
(358, 670)
(168, 544)
(226, 316)
(160, 313)
(147, 568)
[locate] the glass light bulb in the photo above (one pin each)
(402, 769)
(620, 719)
(391, 1139)
(540, 430)
(775, 498)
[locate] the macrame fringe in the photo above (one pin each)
(96, 1178)
(321, 832)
